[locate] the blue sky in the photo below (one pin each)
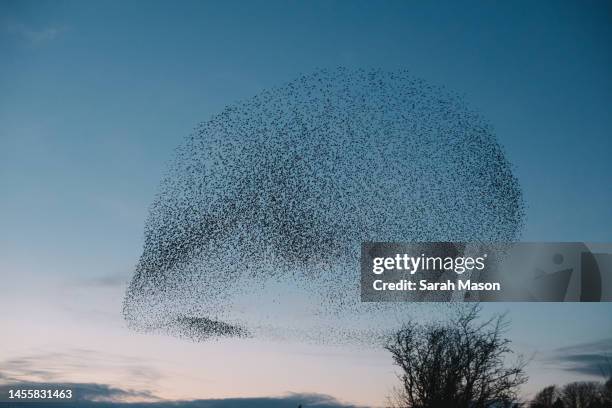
(94, 97)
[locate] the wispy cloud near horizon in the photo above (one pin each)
(57, 367)
(95, 395)
(592, 358)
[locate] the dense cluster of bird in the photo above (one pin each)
(257, 225)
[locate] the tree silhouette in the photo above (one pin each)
(585, 394)
(582, 394)
(460, 363)
(607, 392)
(546, 398)
(558, 403)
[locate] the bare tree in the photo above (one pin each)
(582, 394)
(606, 388)
(460, 363)
(558, 403)
(607, 391)
(546, 398)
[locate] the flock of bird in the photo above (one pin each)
(257, 225)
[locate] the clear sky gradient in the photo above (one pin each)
(94, 97)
